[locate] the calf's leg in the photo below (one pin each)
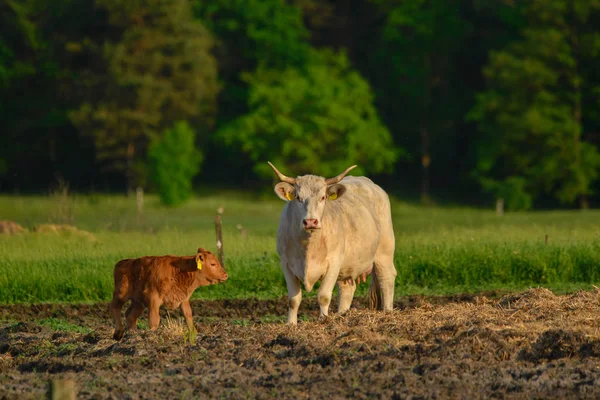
(133, 313)
(186, 309)
(115, 310)
(153, 313)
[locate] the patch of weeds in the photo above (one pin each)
(201, 354)
(44, 348)
(175, 328)
(270, 318)
(187, 394)
(190, 336)
(242, 322)
(65, 349)
(62, 211)
(112, 362)
(9, 325)
(58, 324)
(142, 324)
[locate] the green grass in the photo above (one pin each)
(439, 250)
(58, 324)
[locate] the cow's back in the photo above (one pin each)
(359, 222)
(370, 194)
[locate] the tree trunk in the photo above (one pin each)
(425, 161)
(129, 173)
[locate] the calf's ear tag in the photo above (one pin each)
(290, 196)
(332, 196)
(199, 264)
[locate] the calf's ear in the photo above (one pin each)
(285, 191)
(335, 191)
(185, 265)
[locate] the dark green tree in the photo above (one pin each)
(531, 117)
(160, 70)
(416, 71)
(312, 120)
(173, 162)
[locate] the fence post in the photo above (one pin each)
(63, 389)
(242, 230)
(139, 198)
(500, 207)
(219, 232)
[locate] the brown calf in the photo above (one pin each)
(161, 280)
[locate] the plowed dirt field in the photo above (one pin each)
(519, 346)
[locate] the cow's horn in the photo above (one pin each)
(336, 179)
(281, 176)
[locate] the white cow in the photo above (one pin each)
(335, 231)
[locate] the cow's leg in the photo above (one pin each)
(115, 309)
(346, 294)
(294, 295)
(133, 313)
(385, 277)
(325, 293)
(153, 312)
(186, 309)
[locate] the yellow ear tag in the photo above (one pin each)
(199, 264)
(289, 196)
(332, 196)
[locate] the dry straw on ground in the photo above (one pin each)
(10, 228)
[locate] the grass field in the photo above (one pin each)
(439, 250)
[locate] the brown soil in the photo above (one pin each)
(528, 345)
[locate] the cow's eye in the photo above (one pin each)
(322, 198)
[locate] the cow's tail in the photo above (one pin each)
(375, 302)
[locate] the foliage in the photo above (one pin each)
(531, 114)
(312, 120)
(174, 161)
(17, 33)
(474, 98)
(248, 33)
(270, 32)
(160, 71)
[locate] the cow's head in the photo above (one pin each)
(209, 269)
(309, 193)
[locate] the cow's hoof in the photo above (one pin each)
(118, 335)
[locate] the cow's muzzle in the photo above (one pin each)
(310, 223)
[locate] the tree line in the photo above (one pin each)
(465, 100)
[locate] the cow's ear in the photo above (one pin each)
(285, 191)
(335, 191)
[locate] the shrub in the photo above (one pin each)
(173, 162)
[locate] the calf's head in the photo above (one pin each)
(308, 194)
(210, 270)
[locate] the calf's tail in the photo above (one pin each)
(375, 302)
